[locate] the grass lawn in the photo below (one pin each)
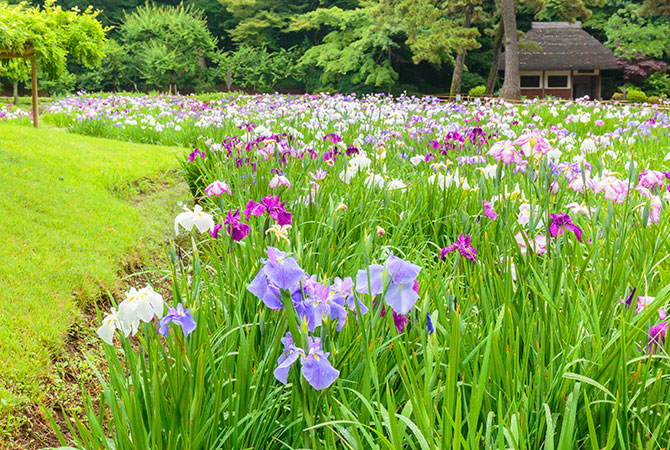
(70, 215)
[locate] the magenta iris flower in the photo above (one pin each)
(560, 222)
(277, 272)
(195, 153)
(215, 231)
(179, 316)
(401, 276)
(463, 246)
(316, 368)
(489, 211)
(236, 229)
(657, 333)
(274, 208)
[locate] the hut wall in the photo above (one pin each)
(534, 93)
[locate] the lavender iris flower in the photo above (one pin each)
(400, 295)
(560, 222)
(319, 304)
(277, 272)
(316, 368)
(463, 246)
(179, 316)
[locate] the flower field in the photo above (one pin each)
(395, 273)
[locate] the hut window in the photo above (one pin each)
(557, 81)
(530, 81)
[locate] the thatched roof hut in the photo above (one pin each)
(568, 62)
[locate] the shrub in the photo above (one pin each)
(635, 96)
(477, 91)
(653, 99)
(617, 96)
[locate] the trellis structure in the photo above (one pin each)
(28, 53)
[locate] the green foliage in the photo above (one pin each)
(434, 28)
(477, 91)
(566, 10)
(168, 46)
(658, 83)
(52, 33)
(634, 94)
(633, 36)
(258, 69)
(111, 74)
(357, 47)
(63, 85)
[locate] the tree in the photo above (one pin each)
(567, 10)
(459, 63)
(364, 42)
(168, 46)
(511, 89)
(46, 36)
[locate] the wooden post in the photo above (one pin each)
(33, 66)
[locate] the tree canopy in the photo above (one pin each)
(422, 46)
(52, 34)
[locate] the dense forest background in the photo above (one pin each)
(344, 45)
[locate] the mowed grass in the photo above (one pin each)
(70, 214)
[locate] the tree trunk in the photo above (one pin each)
(459, 63)
(497, 49)
(16, 92)
(511, 89)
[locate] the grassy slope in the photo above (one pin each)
(64, 229)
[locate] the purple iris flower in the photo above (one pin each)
(400, 295)
(273, 207)
(630, 298)
(195, 153)
(657, 333)
(277, 272)
(316, 368)
(463, 246)
(236, 229)
(562, 221)
(215, 231)
(318, 304)
(429, 324)
(400, 320)
(345, 289)
(489, 211)
(179, 316)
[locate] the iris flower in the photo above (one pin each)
(401, 276)
(657, 333)
(489, 211)
(562, 221)
(463, 246)
(274, 208)
(196, 218)
(316, 368)
(277, 272)
(179, 316)
(236, 229)
(217, 188)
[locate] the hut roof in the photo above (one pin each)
(563, 46)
